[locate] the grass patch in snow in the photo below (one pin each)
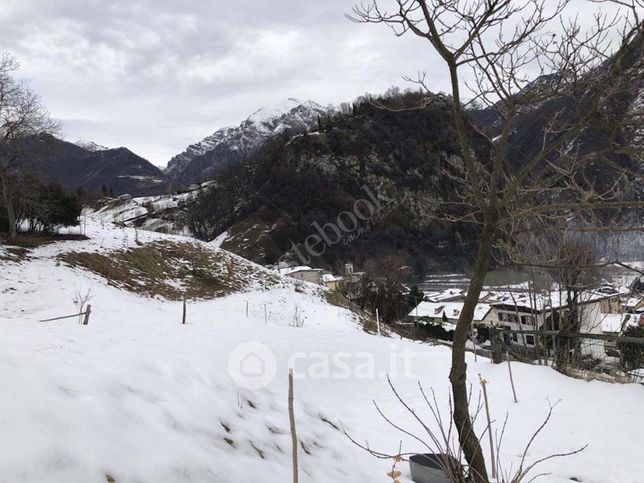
(35, 240)
(172, 269)
(260, 453)
(13, 254)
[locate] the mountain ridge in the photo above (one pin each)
(111, 170)
(199, 161)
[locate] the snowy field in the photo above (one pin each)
(137, 397)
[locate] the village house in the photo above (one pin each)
(331, 281)
(304, 273)
(446, 314)
(521, 310)
(634, 304)
(448, 295)
(616, 324)
(526, 311)
(352, 281)
(317, 276)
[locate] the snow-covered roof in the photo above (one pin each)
(612, 323)
(452, 310)
(637, 374)
(632, 302)
(451, 293)
(545, 301)
(329, 277)
(618, 322)
(302, 268)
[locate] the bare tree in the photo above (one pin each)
(22, 116)
(582, 77)
(575, 272)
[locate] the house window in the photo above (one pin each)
(526, 319)
(529, 339)
(515, 338)
(507, 317)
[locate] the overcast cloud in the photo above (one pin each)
(157, 75)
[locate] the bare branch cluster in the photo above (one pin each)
(437, 437)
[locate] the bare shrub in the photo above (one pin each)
(81, 298)
(438, 436)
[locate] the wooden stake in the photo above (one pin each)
(378, 321)
(183, 318)
(246, 308)
(291, 417)
(265, 315)
(88, 311)
(514, 392)
(489, 425)
(64, 317)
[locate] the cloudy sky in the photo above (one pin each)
(157, 75)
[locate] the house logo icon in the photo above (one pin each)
(252, 365)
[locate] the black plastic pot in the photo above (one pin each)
(430, 467)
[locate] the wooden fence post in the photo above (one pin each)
(489, 425)
(378, 321)
(88, 311)
(291, 417)
(514, 392)
(183, 318)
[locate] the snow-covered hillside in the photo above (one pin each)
(137, 397)
(230, 144)
(162, 213)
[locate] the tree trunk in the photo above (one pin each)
(497, 347)
(458, 375)
(567, 343)
(11, 220)
(11, 214)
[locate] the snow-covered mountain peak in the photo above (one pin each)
(288, 114)
(90, 146)
(231, 144)
(277, 109)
